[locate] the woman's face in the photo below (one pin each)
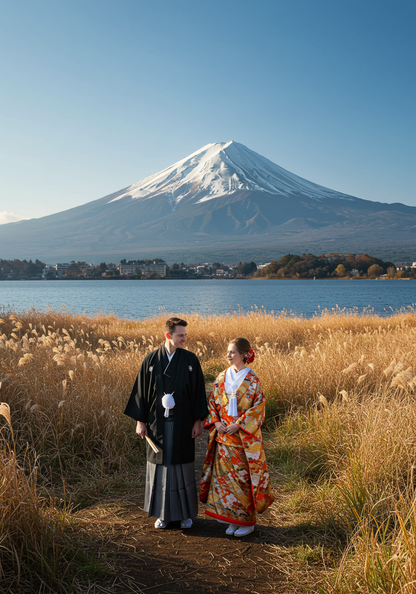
(234, 357)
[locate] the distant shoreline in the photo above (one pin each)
(219, 278)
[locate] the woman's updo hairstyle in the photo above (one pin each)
(243, 347)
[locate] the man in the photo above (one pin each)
(168, 401)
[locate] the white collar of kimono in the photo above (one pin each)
(169, 356)
(234, 379)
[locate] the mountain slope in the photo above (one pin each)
(221, 169)
(223, 200)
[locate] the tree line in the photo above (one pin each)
(20, 268)
(290, 266)
(332, 265)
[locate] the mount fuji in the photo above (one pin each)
(220, 169)
(224, 202)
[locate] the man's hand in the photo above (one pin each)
(197, 429)
(141, 429)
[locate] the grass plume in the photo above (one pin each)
(341, 387)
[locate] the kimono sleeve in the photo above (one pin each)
(252, 419)
(200, 406)
(213, 408)
(137, 407)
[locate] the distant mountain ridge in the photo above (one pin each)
(225, 202)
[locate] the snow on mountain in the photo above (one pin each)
(223, 168)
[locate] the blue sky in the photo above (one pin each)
(98, 94)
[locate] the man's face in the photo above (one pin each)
(178, 337)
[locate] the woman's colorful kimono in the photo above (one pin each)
(235, 482)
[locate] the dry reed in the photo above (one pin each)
(353, 463)
(36, 547)
(67, 377)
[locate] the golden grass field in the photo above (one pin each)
(341, 409)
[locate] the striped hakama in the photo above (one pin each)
(170, 493)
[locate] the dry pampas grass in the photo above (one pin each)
(36, 548)
(342, 384)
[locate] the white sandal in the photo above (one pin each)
(161, 523)
(244, 530)
(231, 529)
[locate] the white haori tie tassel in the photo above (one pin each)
(232, 406)
(168, 402)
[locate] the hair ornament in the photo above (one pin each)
(250, 356)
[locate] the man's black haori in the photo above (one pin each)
(182, 376)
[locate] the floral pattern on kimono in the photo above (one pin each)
(235, 480)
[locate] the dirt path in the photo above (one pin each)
(202, 559)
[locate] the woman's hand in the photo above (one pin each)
(220, 427)
(232, 428)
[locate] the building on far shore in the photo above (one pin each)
(261, 266)
(67, 269)
(132, 267)
(404, 265)
(55, 270)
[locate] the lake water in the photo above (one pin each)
(140, 299)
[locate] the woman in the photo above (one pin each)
(235, 481)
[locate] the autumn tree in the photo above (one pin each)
(374, 270)
(340, 270)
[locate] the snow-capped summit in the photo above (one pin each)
(223, 168)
